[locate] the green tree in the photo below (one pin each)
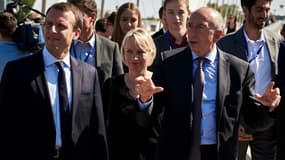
(228, 9)
(23, 11)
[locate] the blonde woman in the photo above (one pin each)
(131, 134)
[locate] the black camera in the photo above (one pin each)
(28, 35)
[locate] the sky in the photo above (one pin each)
(149, 8)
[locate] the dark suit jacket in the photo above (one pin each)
(280, 111)
(158, 33)
(234, 44)
(234, 98)
(108, 59)
(127, 125)
(162, 44)
(27, 124)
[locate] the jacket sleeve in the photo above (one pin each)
(256, 117)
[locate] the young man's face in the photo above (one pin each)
(258, 14)
(59, 31)
(176, 13)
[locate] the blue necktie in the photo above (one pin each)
(199, 81)
(65, 114)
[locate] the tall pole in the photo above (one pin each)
(138, 3)
(44, 2)
(102, 8)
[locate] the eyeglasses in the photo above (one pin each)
(139, 54)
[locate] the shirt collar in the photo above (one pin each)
(173, 39)
(209, 56)
(49, 59)
(261, 38)
(91, 41)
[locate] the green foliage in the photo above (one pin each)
(228, 9)
(150, 18)
(23, 12)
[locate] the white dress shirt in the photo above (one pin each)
(259, 62)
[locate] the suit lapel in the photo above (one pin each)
(40, 86)
(99, 50)
(189, 77)
(76, 82)
(185, 59)
(76, 72)
(240, 45)
(223, 83)
(40, 79)
(272, 45)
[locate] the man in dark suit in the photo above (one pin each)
(31, 99)
(227, 94)
(94, 49)
(259, 47)
(280, 111)
(175, 15)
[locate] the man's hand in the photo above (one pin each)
(271, 97)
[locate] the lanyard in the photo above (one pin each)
(91, 50)
(246, 47)
(257, 53)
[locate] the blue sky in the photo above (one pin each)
(150, 7)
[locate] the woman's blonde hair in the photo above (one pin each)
(143, 40)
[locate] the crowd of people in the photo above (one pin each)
(106, 89)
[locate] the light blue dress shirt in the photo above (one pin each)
(51, 74)
(208, 122)
(85, 51)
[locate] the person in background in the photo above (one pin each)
(109, 24)
(128, 124)
(259, 47)
(9, 50)
(128, 17)
(176, 13)
(231, 24)
(50, 102)
(273, 19)
(205, 92)
(93, 49)
(282, 32)
(163, 22)
(100, 27)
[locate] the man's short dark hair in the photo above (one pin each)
(86, 6)
(160, 12)
(249, 3)
(63, 6)
(8, 24)
(99, 25)
(111, 17)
